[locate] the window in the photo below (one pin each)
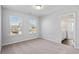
(33, 25)
(15, 25)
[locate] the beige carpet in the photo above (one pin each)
(38, 46)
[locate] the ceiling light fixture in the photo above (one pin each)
(38, 7)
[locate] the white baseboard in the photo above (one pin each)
(20, 41)
(50, 40)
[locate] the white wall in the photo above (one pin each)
(7, 39)
(51, 29)
(0, 27)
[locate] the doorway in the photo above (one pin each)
(68, 29)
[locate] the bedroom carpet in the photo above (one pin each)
(38, 46)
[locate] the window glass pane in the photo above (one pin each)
(33, 25)
(15, 25)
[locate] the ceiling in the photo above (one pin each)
(30, 10)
